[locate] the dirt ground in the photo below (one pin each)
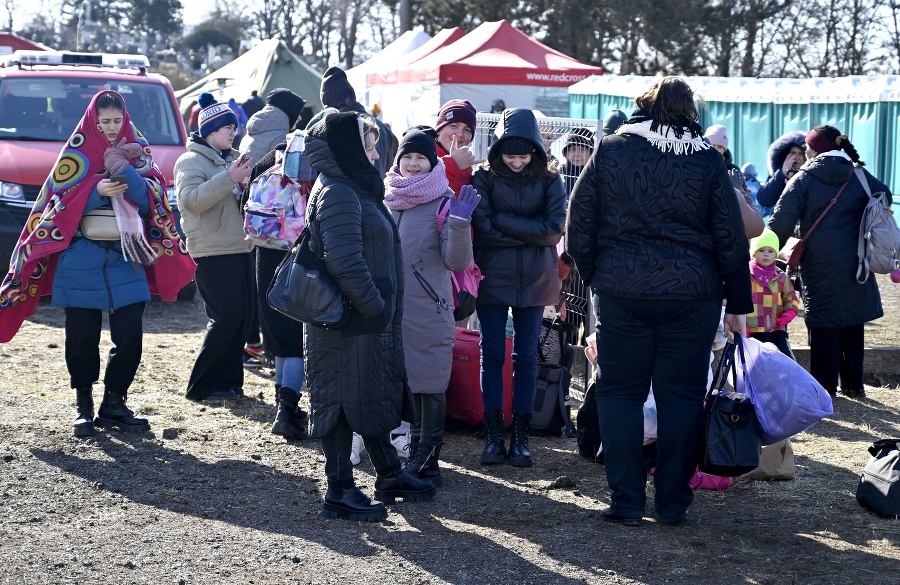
(210, 496)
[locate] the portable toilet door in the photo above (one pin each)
(890, 146)
(791, 105)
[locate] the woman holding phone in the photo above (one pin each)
(208, 186)
(104, 177)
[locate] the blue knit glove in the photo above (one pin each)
(463, 206)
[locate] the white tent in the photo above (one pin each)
(408, 41)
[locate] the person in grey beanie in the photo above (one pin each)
(336, 92)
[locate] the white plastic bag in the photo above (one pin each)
(787, 399)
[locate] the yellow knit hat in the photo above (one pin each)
(763, 240)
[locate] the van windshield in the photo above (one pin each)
(49, 108)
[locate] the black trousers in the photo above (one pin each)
(225, 283)
(778, 338)
(837, 352)
(667, 343)
(337, 445)
(126, 329)
(282, 336)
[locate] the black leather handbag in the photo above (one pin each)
(732, 439)
(303, 289)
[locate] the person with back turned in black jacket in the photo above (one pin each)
(655, 230)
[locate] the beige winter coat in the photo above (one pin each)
(210, 211)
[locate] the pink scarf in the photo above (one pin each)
(402, 193)
(764, 275)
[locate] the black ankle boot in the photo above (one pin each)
(423, 461)
(519, 454)
(351, 503)
(402, 484)
(84, 406)
(114, 413)
(495, 445)
(290, 420)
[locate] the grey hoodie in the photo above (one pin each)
(265, 130)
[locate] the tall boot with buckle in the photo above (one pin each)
(114, 414)
(495, 440)
(290, 420)
(519, 454)
(84, 407)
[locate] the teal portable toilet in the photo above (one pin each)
(598, 95)
(744, 106)
(890, 151)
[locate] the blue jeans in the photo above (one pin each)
(666, 343)
(527, 327)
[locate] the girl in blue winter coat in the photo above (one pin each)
(105, 168)
(517, 224)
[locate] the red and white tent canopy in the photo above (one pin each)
(495, 60)
(498, 53)
(388, 75)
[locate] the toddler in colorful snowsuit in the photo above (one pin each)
(774, 299)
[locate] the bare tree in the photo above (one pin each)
(891, 42)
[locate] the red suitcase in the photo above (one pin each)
(464, 403)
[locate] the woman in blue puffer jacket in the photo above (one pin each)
(104, 176)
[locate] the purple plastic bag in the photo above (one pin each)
(786, 398)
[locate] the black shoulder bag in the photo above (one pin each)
(732, 438)
(303, 289)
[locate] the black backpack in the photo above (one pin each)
(588, 426)
(879, 485)
(551, 411)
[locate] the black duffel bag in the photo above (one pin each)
(879, 485)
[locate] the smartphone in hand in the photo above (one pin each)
(119, 179)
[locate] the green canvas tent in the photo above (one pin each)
(268, 65)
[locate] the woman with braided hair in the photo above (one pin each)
(837, 306)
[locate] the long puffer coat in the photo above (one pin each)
(428, 328)
(517, 225)
(832, 297)
(358, 370)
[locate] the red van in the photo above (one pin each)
(43, 95)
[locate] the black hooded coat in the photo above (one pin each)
(517, 225)
(832, 297)
(358, 370)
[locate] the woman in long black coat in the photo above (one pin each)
(837, 306)
(356, 375)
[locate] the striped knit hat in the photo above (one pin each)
(214, 115)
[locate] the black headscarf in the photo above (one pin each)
(343, 133)
(288, 102)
